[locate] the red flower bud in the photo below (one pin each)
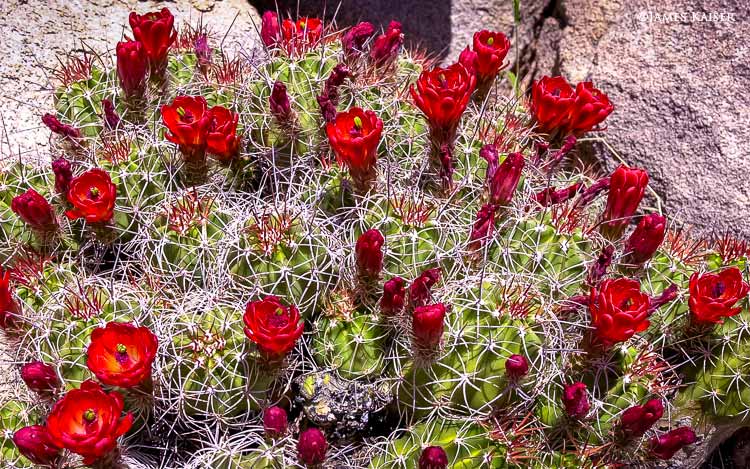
(111, 118)
(329, 98)
(550, 196)
(427, 325)
(40, 377)
(666, 445)
(551, 101)
(57, 127)
(132, 68)
(274, 327)
(491, 49)
(281, 108)
(618, 310)
(516, 366)
(419, 290)
(593, 191)
(636, 420)
(8, 305)
(576, 400)
(155, 30)
(269, 29)
(590, 108)
(599, 268)
(34, 443)
(34, 210)
(369, 251)
(714, 296)
(88, 421)
(222, 140)
(468, 58)
(645, 239)
(121, 354)
(442, 94)
(385, 48)
(483, 228)
(394, 296)
(505, 179)
(489, 154)
(275, 421)
(202, 52)
(626, 189)
(433, 457)
(63, 175)
(354, 136)
(312, 447)
(353, 41)
(93, 196)
(188, 120)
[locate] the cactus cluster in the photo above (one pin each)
(334, 253)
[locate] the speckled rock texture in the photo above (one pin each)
(677, 71)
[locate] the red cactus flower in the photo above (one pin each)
(386, 46)
(551, 101)
(57, 127)
(281, 108)
(369, 251)
(483, 228)
(270, 32)
(312, 447)
(353, 41)
(626, 189)
(93, 196)
(354, 136)
(34, 210)
(590, 108)
(433, 457)
(188, 120)
(490, 48)
(618, 310)
(427, 325)
(394, 296)
(275, 421)
(88, 421)
(63, 175)
(419, 290)
(503, 182)
(8, 305)
(442, 94)
(645, 239)
(40, 377)
(35, 444)
(516, 366)
(575, 399)
(636, 420)
(714, 296)
(121, 354)
(155, 30)
(665, 446)
(274, 327)
(132, 68)
(222, 140)
(301, 35)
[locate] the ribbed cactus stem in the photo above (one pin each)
(195, 166)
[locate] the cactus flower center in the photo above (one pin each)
(94, 193)
(279, 319)
(89, 416)
(718, 289)
(490, 41)
(122, 354)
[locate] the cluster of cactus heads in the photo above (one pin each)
(335, 253)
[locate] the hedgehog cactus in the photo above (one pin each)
(397, 258)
